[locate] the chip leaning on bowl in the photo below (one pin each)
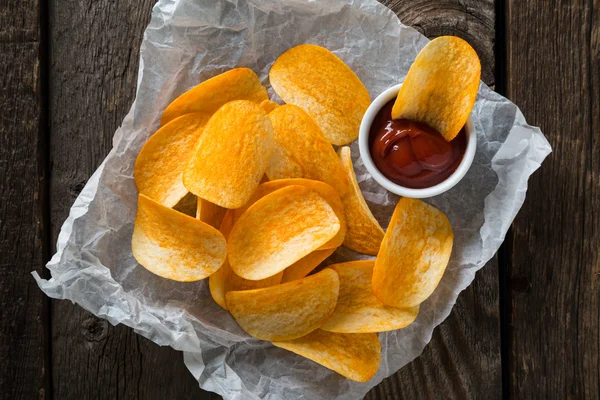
(272, 200)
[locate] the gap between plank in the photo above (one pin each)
(505, 251)
(43, 154)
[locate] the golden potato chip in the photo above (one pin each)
(357, 309)
(278, 230)
(210, 213)
(441, 86)
(231, 155)
(355, 356)
(225, 280)
(301, 150)
(174, 245)
(210, 95)
(315, 79)
(285, 311)
(187, 205)
(323, 189)
(414, 254)
(305, 265)
(216, 285)
(268, 106)
(160, 164)
(364, 233)
(227, 223)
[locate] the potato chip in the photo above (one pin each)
(174, 245)
(278, 230)
(357, 309)
(216, 285)
(225, 280)
(210, 95)
(413, 255)
(231, 155)
(315, 79)
(441, 86)
(210, 213)
(355, 356)
(227, 223)
(187, 205)
(364, 233)
(160, 164)
(301, 150)
(287, 311)
(323, 189)
(217, 281)
(268, 106)
(305, 265)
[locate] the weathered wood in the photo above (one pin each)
(94, 360)
(553, 66)
(463, 358)
(95, 47)
(472, 20)
(91, 91)
(24, 311)
(462, 361)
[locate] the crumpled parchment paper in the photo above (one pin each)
(189, 41)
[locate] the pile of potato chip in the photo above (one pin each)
(252, 195)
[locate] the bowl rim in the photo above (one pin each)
(365, 154)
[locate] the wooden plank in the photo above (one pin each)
(463, 359)
(554, 75)
(464, 356)
(24, 347)
(94, 74)
(472, 20)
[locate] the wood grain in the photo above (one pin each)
(554, 75)
(553, 52)
(472, 20)
(89, 94)
(24, 311)
(463, 358)
(95, 47)
(462, 361)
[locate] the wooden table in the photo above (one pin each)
(528, 327)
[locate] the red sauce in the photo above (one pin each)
(412, 154)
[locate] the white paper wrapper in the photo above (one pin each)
(189, 41)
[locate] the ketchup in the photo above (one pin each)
(412, 154)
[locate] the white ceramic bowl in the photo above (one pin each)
(365, 154)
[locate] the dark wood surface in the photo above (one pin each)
(553, 66)
(528, 328)
(93, 69)
(463, 359)
(24, 328)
